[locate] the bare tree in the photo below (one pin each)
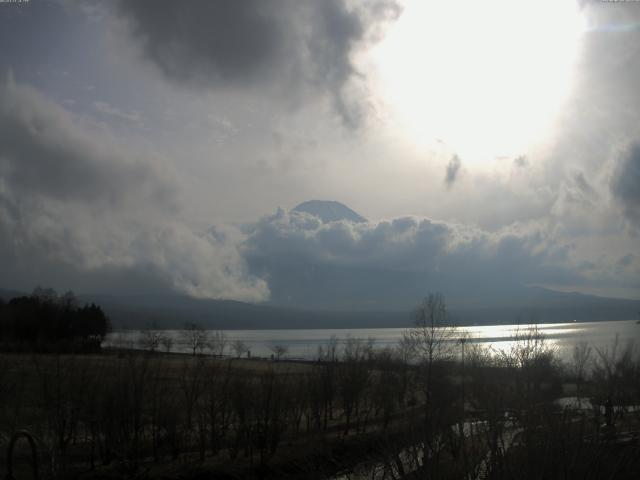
(279, 350)
(149, 340)
(218, 343)
(353, 377)
(192, 384)
(529, 346)
(123, 341)
(533, 358)
(433, 341)
(580, 360)
(69, 300)
(406, 349)
(167, 342)
(432, 338)
(195, 337)
(239, 347)
(614, 371)
(329, 352)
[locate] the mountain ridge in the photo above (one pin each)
(173, 311)
(329, 211)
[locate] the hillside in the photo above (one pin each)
(173, 311)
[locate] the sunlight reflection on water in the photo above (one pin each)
(304, 343)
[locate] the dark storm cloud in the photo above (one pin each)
(297, 48)
(453, 168)
(211, 42)
(625, 184)
(79, 209)
(42, 153)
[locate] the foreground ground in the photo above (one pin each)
(357, 413)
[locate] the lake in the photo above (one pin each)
(303, 344)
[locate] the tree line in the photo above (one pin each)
(46, 321)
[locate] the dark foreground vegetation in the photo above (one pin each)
(436, 407)
(46, 322)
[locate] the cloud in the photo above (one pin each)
(521, 161)
(576, 202)
(107, 109)
(625, 184)
(297, 49)
(79, 209)
(43, 153)
(393, 263)
(453, 168)
(585, 187)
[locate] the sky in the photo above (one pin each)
(161, 146)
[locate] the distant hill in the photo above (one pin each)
(329, 211)
(173, 311)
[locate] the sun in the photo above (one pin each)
(485, 78)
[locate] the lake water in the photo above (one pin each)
(303, 344)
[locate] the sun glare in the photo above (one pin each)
(486, 79)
